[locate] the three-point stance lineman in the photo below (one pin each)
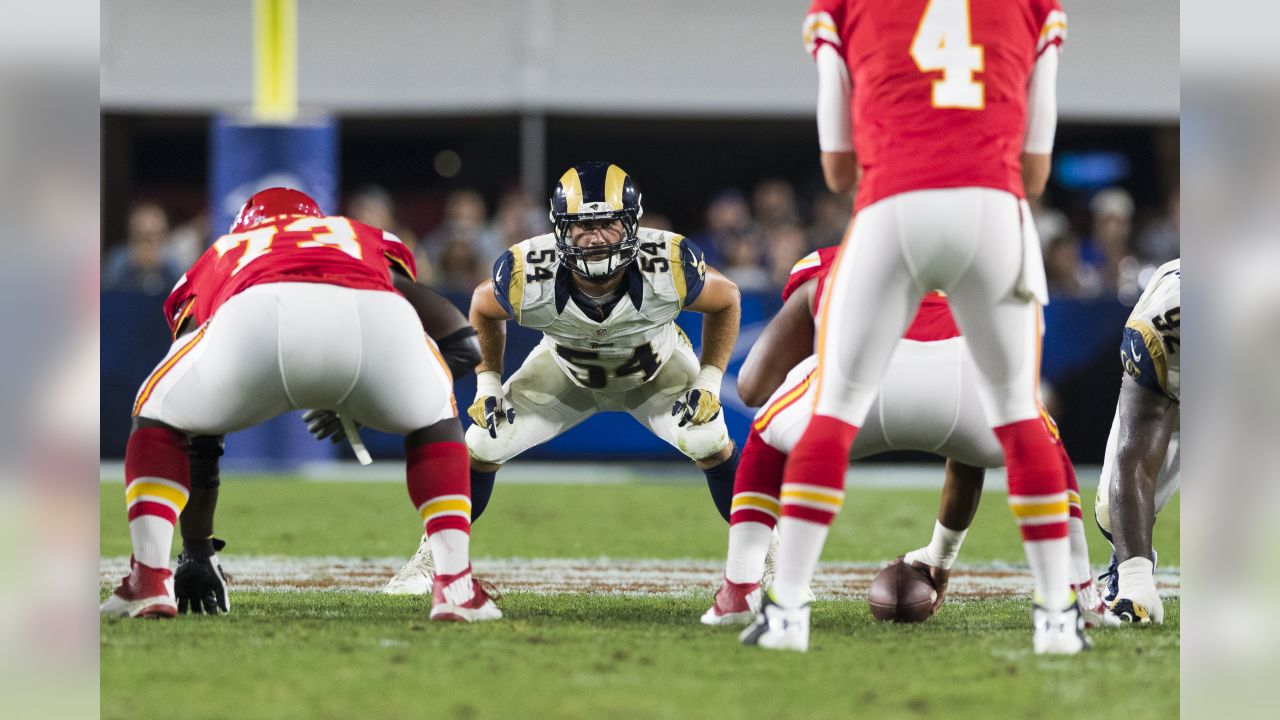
(1140, 472)
(295, 309)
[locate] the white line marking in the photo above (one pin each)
(669, 578)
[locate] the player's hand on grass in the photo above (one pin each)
(199, 582)
(700, 404)
(490, 408)
(324, 424)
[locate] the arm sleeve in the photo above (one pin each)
(835, 127)
(399, 255)
(502, 270)
(1042, 103)
(692, 270)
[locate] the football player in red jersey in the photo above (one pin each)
(942, 113)
(294, 309)
(928, 401)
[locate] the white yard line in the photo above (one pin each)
(592, 575)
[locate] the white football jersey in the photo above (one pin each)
(1152, 336)
(629, 344)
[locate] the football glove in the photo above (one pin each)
(325, 424)
(490, 409)
(700, 404)
(199, 583)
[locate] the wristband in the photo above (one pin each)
(709, 379)
(488, 384)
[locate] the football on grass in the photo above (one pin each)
(902, 594)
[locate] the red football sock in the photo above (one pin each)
(157, 483)
(758, 483)
(440, 488)
(813, 482)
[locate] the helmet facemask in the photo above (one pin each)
(602, 261)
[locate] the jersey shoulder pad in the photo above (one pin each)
(822, 25)
(397, 253)
(524, 275)
(689, 268)
(1142, 351)
(1053, 28)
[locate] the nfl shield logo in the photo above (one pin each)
(601, 332)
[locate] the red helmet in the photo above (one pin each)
(273, 203)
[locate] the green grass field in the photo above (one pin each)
(345, 654)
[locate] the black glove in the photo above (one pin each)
(325, 424)
(199, 582)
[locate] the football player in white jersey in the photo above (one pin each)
(1141, 470)
(605, 293)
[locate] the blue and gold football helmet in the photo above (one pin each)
(593, 192)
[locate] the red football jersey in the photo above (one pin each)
(939, 87)
(333, 250)
(933, 320)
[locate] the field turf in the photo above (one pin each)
(348, 654)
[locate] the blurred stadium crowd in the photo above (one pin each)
(1104, 246)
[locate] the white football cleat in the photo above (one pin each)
(735, 604)
(779, 628)
(1137, 607)
(461, 598)
(1094, 609)
(145, 592)
(1060, 633)
(416, 577)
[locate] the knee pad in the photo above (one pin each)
(699, 442)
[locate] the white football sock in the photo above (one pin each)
(451, 551)
(1137, 578)
(1050, 562)
(1080, 573)
(798, 553)
(152, 540)
(748, 547)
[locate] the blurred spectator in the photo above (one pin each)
(784, 245)
(744, 261)
(831, 215)
(1065, 271)
(774, 203)
(460, 267)
(189, 240)
(657, 221)
(516, 219)
(728, 219)
(143, 262)
(1160, 241)
(1050, 222)
(374, 206)
(463, 231)
(1108, 246)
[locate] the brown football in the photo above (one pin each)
(902, 594)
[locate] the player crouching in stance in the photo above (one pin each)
(1140, 472)
(294, 309)
(605, 293)
(928, 401)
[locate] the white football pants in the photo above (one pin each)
(286, 346)
(979, 246)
